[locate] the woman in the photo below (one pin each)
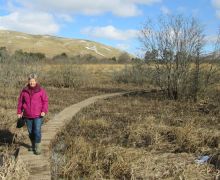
(33, 106)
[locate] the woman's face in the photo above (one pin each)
(32, 82)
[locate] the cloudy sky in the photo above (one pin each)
(112, 22)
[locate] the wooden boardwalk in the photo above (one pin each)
(39, 165)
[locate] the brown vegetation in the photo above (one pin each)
(66, 84)
(141, 136)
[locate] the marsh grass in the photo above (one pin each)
(137, 137)
(11, 168)
(66, 84)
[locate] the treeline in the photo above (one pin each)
(88, 58)
(29, 57)
(153, 55)
(20, 56)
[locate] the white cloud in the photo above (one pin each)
(65, 17)
(46, 16)
(165, 10)
(211, 39)
(216, 5)
(117, 7)
(148, 2)
(123, 47)
(218, 13)
(29, 22)
(110, 32)
(182, 10)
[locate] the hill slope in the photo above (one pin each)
(52, 45)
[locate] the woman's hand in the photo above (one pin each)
(42, 114)
(19, 115)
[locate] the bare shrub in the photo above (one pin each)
(67, 76)
(136, 73)
(27, 57)
(14, 74)
(124, 58)
(190, 139)
(4, 55)
(176, 44)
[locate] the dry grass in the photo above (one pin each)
(137, 137)
(99, 82)
(10, 137)
(125, 138)
(11, 168)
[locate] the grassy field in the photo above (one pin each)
(142, 136)
(94, 80)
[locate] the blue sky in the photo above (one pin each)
(115, 22)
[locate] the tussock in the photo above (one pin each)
(137, 137)
(11, 168)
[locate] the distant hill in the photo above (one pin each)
(52, 45)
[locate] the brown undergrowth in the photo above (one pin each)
(140, 136)
(61, 95)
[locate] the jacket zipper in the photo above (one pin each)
(30, 102)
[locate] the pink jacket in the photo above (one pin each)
(32, 102)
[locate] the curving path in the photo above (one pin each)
(39, 166)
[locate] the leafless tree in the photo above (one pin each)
(179, 42)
